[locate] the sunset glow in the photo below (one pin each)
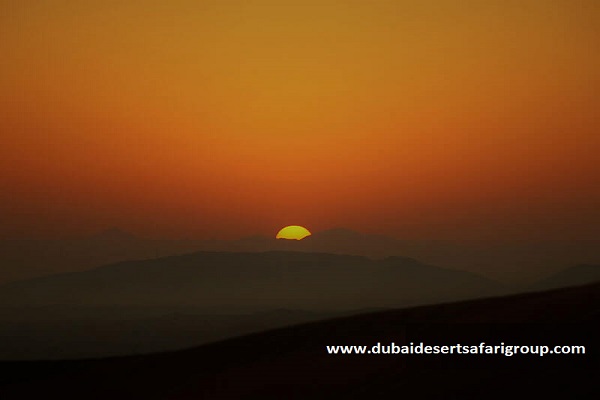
(421, 119)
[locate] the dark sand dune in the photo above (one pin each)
(292, 362)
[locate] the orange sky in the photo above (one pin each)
(417, 119)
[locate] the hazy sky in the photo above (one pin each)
(421, 119)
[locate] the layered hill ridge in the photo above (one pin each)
(573, 276)
(277, 279)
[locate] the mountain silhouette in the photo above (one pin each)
(297, 280)
(573, 276)
(511, 261)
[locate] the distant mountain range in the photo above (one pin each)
(574, 276)
(517, 261)
(256, 281)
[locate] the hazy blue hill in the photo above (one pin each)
(295, 280)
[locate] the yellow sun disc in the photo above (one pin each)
(294, 232)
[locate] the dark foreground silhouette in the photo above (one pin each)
(293, 363)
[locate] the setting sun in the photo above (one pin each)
(294, 232)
